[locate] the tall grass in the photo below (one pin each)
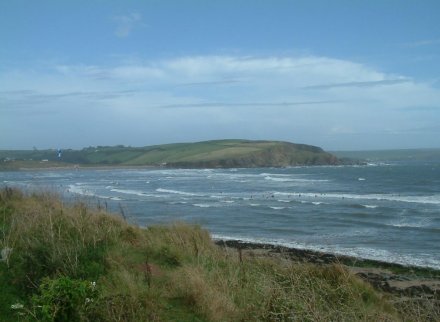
(49, 239)
(163, 273)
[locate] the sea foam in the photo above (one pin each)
(177, 192)
(433, 199)
(129, 192)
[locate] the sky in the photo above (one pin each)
(342, 75)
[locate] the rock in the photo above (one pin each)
(5, 252)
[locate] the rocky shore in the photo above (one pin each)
(398, 280)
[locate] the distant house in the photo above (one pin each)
(45, 160)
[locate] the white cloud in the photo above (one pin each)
(317, 100)
(126, 23)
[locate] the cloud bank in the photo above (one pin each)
(335, 103)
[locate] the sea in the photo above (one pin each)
(383, 211)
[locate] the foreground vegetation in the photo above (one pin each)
(77, 263)
(207, 154)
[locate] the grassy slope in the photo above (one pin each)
(173, 273)
(221, 153)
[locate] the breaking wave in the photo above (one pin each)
(434, 199)
(177, 192)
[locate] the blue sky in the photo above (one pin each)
(343, 75)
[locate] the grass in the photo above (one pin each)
(161, 273)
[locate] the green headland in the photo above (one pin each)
(207, 154)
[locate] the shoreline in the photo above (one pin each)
(82, 167)
(403, 280)
(320, 257)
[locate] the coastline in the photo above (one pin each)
(387, 276)
(81, 167)
(111, 167)
(403, 280)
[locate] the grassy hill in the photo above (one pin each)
(79, 263)
(207, 154)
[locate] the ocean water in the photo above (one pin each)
(385, 211)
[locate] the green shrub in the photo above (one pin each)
(65, 299)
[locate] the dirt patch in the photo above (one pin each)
(150, 269)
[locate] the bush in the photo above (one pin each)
(64, 299)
